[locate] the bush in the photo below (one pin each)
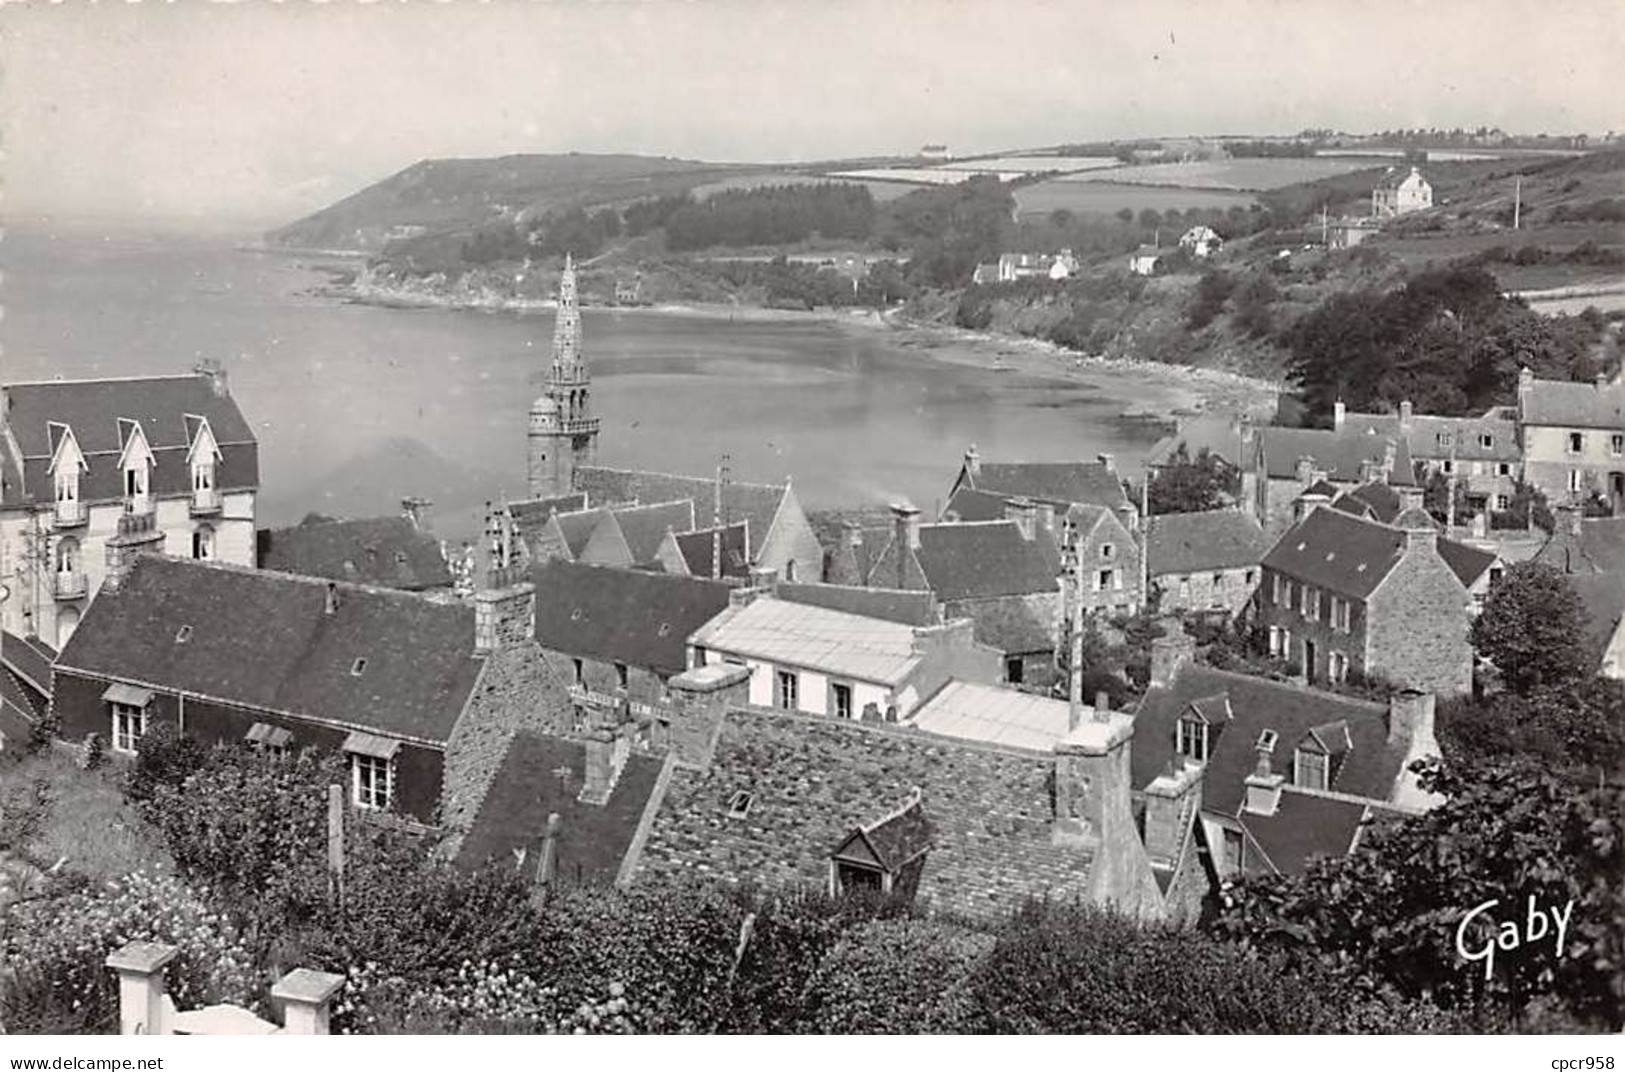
(895, 977)
(167, 758)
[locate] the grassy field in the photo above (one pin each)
(1107, 198)
(1242, 174)
(90, 828)
(1037, 165)
(880, 191)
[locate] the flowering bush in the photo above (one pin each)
(56, 948)
(484, 998)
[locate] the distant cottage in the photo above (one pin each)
(1400, 193)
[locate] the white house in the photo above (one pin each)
(1201, 241)
(1145, 260)
(1398, 194)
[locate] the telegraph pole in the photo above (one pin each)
(1517, 201)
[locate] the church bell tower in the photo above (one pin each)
(563, 433)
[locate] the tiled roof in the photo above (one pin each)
(891, 604)
(755, 503)
(643, 527)
(542, 775)
(969, 504)
(626, 616)
(1256, 704)
(264, 640)
(1338, 551)
(1337, 454)
(1574, 405)
(798, 634)
(93, 410)
(1599, 547)
(1603, 595)
(698, 548)
(1059, 482)
(530, 515)
(1428, 436)
(992, 715)
(30, 658)
(386, 551)
(1304, 826)
(975, 560)
(1210, 540)
(900, 836)
(813, 780)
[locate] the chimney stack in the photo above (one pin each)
(216, 372)
(504, 617)
(1305, 472)
(1046, 519)
(1306, 504)
(1107, 462)
(606, 750)
(1093, 810)
(905, 537)
(1103, 706)
(1263, 787)
(135, 535)
(1339, 414)
(1167, 814)
(1024, 513)
(1405, 415)
(1411, 723)
(1410, 497)
(973, 463)
(699, 698)
(1168, 654)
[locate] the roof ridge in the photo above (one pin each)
(274, 576)
(888, 729)
(106, 379)
(1287, 686)
(684, 476)
(916, 795)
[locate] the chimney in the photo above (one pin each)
(1369, 470)
(973, 463)
(1022, 511)
(1168, 654)
(1405, 415)
(330, 599)
(1389, 453)
(1304, 505)
(1093, 810)
(1305, 472)
(1263, 787)
(1420, 537)
(1410, 497)
(692, 717)
(415, 508)
(1339, 414)
(504, 617)
(216, 372)
(1107, 462)
(1526, 384)
(135, 535)
(1046, 519)
(1171, 803)
(1411, 723)
(1602, 381)
(843, 562)
(905, 537)
(606, 750)
(1103, 706)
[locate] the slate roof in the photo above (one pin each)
(891, 604)
(1574, 405)
(1305, 826)
(593, 839)
(812, 780)
(755, 503)
(1008, 623)
(17, 710)
(993, 715)
(1338, 454)
(969, 504)
(1433, 437)
(1058, 482)
(1369, 769)
(1338, 551)
(1221, 436)
(530, 515)
(1468, 563)
(1603, 595)
(698, 547)
(1599, 547)
(577, 528)
(898, 837)
(1209, 540)
(263, 640)
(386, 551)
(1376, 500)
(30, 658)
(625, 616)
(975, 560)
(814, 638)
(93, 410)
(643, 527)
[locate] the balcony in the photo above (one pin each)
(205, 501)
(68, 584)
(69, 513)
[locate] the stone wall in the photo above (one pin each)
(1416, 632)
(1195, 592)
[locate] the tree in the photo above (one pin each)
(1533, 629)
(1395, 911)
(1185, 485)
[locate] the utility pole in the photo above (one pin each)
(1074, 692)
(1517, 201)
(1323, 225)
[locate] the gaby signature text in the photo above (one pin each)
(1537, 923)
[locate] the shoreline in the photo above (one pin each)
(1199, 390)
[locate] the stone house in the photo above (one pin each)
(1105, 554)
(1283, 463)
(1480, 454)
(1201, 242)
(1573, 439)
(231, 655)
(618, 635)
(1399, 193)
(1204, 563)
(77, 454)
(1349, 232)
(1478, 565)
(1002, 575)
(817, 661)
(1280, 774)
(1342, 594)
(1060, 485)
(389, 552)
(1146, 260)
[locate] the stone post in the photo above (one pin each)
(304, 995)
(140, 967)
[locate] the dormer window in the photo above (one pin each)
(1192, 743)
(1310, 770)
(372, 770)
(135, 482)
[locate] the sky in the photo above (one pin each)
(255, 113)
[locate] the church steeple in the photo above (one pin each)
(563, 432)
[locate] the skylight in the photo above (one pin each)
(358, 667)
(183, 634)
(739, 804)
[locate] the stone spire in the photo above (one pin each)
(563, 432)
(567, 364)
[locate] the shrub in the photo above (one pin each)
(898, 976)
(167, 758)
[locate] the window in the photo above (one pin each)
(67, 556)
(576, 663)
(1495, 575)
(739, 804)
(129, 726)
(842, 694)
(790, 571)
(1232, 848)
(1184, 589)
(1576, 481)
(1503, 469)
(699, 656)
(1577, 442)
(1309, 770)
(1280, 642)
(203, 542)
(1106, 551)
(1117, 580)
(1193, 739)
(853, 878)
(1337, 666)
(1486, 440)
(1103, 580)
(372, 781)
(1218, 580)
(1311, 603)
(1340, 614)
(1448, 466)
(1266, 741)
(1616, 445)
(358, 667)
(1503, 503)
(203, 478)
(1277, 590)
(1248, 578)
(1014, 669)
(620, 675)
(788, 690)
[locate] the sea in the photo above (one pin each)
(358, 406)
